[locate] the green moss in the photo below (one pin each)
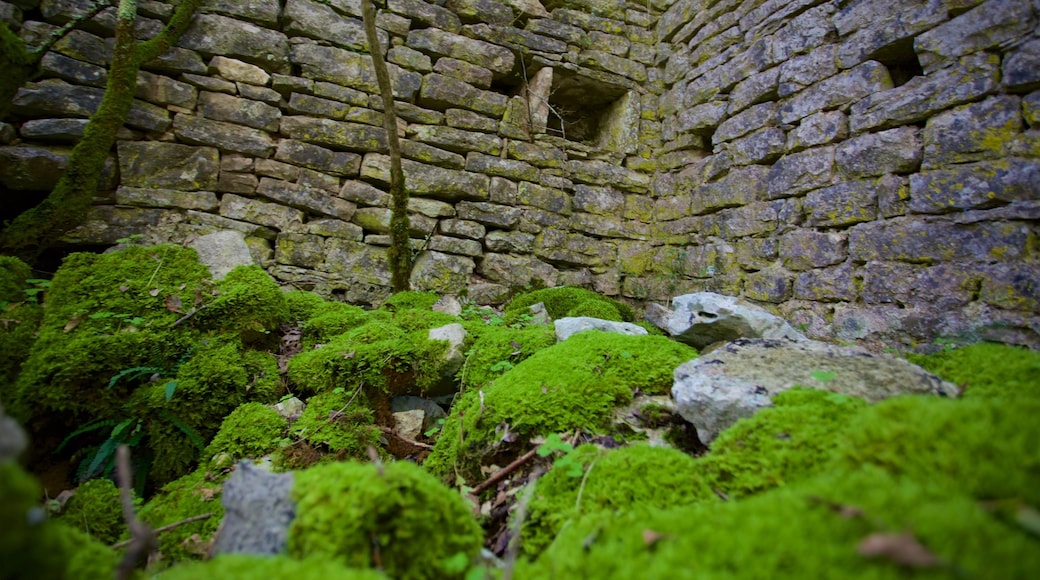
(616, 481)
(596, 309)
(331, 319)
(249, 303)
(413, 320)
(97, 510)
(575, 384)
(560, 301)
(338, 421)
(410, 300)
(499, 349)
(250, 431)
(191, 495)
(794, 532)
(988, 370)
(347, 511)
(303, 304)
(778, 445)
(250, 567)
(13, 274)
(17, 336)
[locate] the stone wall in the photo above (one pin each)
(866, 168)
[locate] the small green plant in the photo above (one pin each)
(130, 240)
(501, 366)
(824, 376)
(436, 428)
(39, 285)
(566, 462)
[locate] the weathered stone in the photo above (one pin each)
(927, 241)
(258, 510)
(600, 60)
(171, 198)
(457, 140)
(882, 25)
(430, 207)
(332, 228)
(213, 34)
(33, 168)
(819, 129)
(319, 158)
(806, 249)
(305, 198)
(827, 285)
(1012, 288)
(752, 119)
(238, 71)
(516, 271)
(255, 114)
(972, 77)
(846, 203)
(364, 194)
(463, 228)
(439, 91)
(356, 262)
(213, 223)
(450, 245)
(258, 212)
(318, 180)
(893, 151)
(438, 272)
(739, 187)
(749, 220)
(223, 136)
(430, 14)
(277, 169)
(762, 146)
(975, 186)
(705, 318)
(1022, 66)
(598, 200)
(306, 251)
(475, 75)
(177, 60)
(335, 92)
(567, 327)
(522, 41)
(716, 390)
(489, 214)
(431, 155)
(222, 252)
(463, 119)
(536, 154)
(242, 183)
(991, 24)
(806, 70)
(754, 89)
(350, 69)
(847, 87)
(162, 90)
(769, 285)
(488, 11)
(972, 132)
(517, 242)
(212, 84)
(168, 165)
(701, 118)
(429, 181)
(602, 173)
(409, 59)
(335, 134)
(800, 172)
(74, 71)
(444, 43)
(319, 20)
(262, 12)
(756, 253)
(57, 98)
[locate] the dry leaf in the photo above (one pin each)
(173, 303)
(153, 292)
(650, 537)
(73, 322)
(902, 548)
(124, 288)
(198, 296)
(207, 493)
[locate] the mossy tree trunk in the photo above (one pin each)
(400, 253)
(70, 201)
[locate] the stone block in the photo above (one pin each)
(598, 200)
(430, 155)
(214, 34)
(489, 214)
(754, 89)
(545, 198)
(75, 71)
(57, 98)
(827, 285)
(1021, 68)
(927, 241)
(432, 15)
(457, 140)
(807, 249)
(237, 71)
(334, 134)
(304, 250)
(355, 262)
(475, 75)
(168, 165)
(362, 193)
(602, 173)
(222, 107)
(821, 128)
(762, 146)
(846, 203)
(866, 79)
(972, 132)
(516, 271)
(439, 91)
(319, 20)
(991, 24)
(305, 198)
(170, 198)
(254, 211)
(498, 59)
(429, 181)
(975, 186)
(463, 229)
(224, 136)
(739, 187)
(241, 183)
(806, 70)
(752, 219)
(701, 118)
(350, 69)
(463, 119)
(509, 242)
(458, 246)
(752, 119)
(318, 158)
(770, 285)
(871, 28)
(798, 173)
(162, 90)
(893, 151)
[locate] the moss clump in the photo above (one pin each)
(616, 481)
(794, 532)
(250, 567)
(596, 309)
(788, 442)
(559, 302)
(249, 303)
(21, 322)
(410, 300)
(575, 384)
(330, 320)
(250, 431)
(348, 511)
(413, 320)
(500, 348)
(339, 422)
(191, 495)
(13, 274)
(97, 510)
(302, 305)
(988, 370)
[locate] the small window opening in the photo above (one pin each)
(578, 106)
(901, 60)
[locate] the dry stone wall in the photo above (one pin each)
(866, 168)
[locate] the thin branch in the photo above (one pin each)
(390, 431)
(518, 521)
(142, 538)
(166, 528)
(60, 33)
(482, 486)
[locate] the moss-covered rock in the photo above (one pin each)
(250, 431)
(331, 319)
(410, 300)
(249, 303)
(97, 510)
(575, 384)
(988, 370)
(250, 567)
(560, 302)
(596, 309)
(500, 348)
(338, 423)
(614, 481)
(302, 305)
(13, 274)
(194, 494)
(360, 514)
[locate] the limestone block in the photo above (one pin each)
(362, 193)
(303, 250)
(915, 240)
(606, 226)
(773, 285)
(598, 200)
(704, 318)
(968, 79)
(429, 181)
(171, 198)
(430, 207)
(756, 253)
(213, 84)
(847, 202)
(350, 69)
(58, 98)
(568, 327)
(213, 223)
(442, 273)
(319, 20)
(306, 198)
(602, 173)
(431, 155)
(1012, 287)
(537, 154)
(475, 75)
(489, 214)
(168, 165)
(258, 510)
(516, 271)
(214, 34)
(238, 71)
(519, 40)
(819, 129)
(463, 119)
(300, 103)
(703, 118)
(223, 136)
(355, 262)
(716, 390)
(974, 186)
(545, 198)
(457, 140)
(162, 90)
(803, 32)
(844, 88)
(450, 245)
(740, 186)
(972, 132)
(993, 23)
(827, 285)
(222, 107)
(262, 12)
(439, 91)
(441, 42)
(58, 130)
(754, 89)
(410, 59)
(318, 158)
(75, 71)
(333, 228)
(549, 27)
(878, 25)
(254, 211)
(1022, 66)
(505, 241)
(34, 168)
(463, 229)
(797, 173)
(806, 249)
(334, 134)
(177, 60)
(755, 218)
(752, 119)
(893, 151)
(331, 91)
(808, 69)
(430, 14)
(762, 146)
(106, 225)
(488, 11)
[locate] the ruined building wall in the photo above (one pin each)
(866, 168)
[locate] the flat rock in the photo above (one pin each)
(566, 327)
(738, 379)
(222, 252)
(258, 509)
(704, 318)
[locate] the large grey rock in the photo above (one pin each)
(12, 438)
(735, 381)
(168, 165)
(704, 318)
(258, 509)
(566, 327)
(213, 34)
(455, 335)
(222, 252)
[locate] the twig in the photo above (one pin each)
(142, 538)
(390, 431)
(504, 472)
(193, 312)
(581, 488)
(166, 528)
(374, 456)
(60, 33)
(518, 522)
(335, 414)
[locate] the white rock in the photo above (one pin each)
(565, 327)
(409, 424)
(704, 318)
(222, 251)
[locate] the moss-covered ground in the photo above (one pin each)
(141, 347)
